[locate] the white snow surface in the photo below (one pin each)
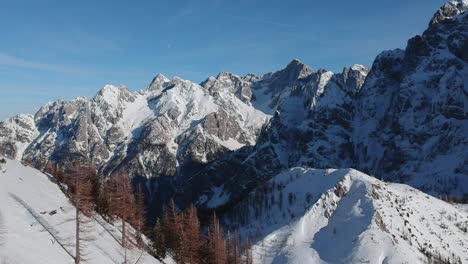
(351, 217)
(25, 192)
(21, 130)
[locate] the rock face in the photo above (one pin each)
(449, 10)
(16, 134)
(164, 133)
(313, 126)
(419, 105)
(404, 120)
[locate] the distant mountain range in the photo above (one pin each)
(285, 157)
(403, 120)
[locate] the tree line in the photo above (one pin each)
(115, 200)
(178, 234)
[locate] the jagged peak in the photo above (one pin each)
(110, 90)
(299, 69)
(294, 71)
(360, 68)
(113, 95)
(19, 117)
(159, 82)
(296, 62)
(79, 99)
(178, 79)
(226, 74)
(302, 69)
(357, 68)
(449, 10)
(222, 76)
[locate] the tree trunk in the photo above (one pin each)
(77, 252)
(124, 241)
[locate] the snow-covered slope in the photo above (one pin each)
(28, 200)
(404, 120)
(345, 216)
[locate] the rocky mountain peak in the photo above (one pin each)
(449, 10)
(159, 82)
(15, 135)
(298, 69)
(355, 76)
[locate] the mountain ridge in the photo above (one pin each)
(236, 131)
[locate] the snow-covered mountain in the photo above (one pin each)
(344, 216)
(16, 133)
(155, 132)
(403, 120)
(36, 220)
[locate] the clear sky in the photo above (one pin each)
(60, 49)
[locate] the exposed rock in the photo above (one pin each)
(449, 10)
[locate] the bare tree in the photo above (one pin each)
(80, 191)
(159, 244)
(233, 248)
(122, 205)
(248, 251)
(139, 217)
(191, 241)
(172, 230)
(217, 250)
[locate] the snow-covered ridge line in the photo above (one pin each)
(344, 216)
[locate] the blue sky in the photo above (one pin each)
(53, 50)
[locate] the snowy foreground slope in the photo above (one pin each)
(345, 216)
(27, 194)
